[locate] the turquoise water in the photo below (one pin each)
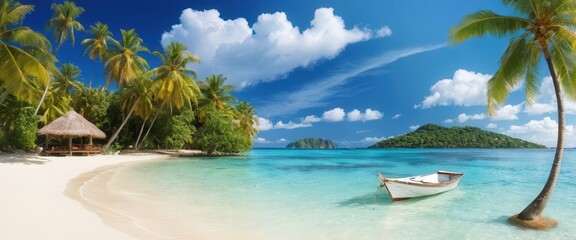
(332, 194)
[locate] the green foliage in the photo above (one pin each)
(22, 132)
(175, 131)
(93, 105)
(220, 133)
(311, 143)
(434, 136)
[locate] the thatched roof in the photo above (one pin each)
(72, 124)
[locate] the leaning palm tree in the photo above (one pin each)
(546, 29)
(64, 23)
(137, 97)
(174, 85)
(123, 63)
(21, 69)
(66, 80)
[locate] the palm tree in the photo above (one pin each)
(547, 28)
(216, 92)
(137, 97)
(64, 23)
(97, 46)
(247, 119)
(20, 49)
(65, 81)
(174, 86)
(123, 64)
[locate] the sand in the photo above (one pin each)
(33, 204)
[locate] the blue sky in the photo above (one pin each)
(353, 72)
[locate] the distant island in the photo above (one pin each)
(435, 136)
(311, 143)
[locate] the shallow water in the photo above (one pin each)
(332, 194)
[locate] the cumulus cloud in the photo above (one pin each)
(465, 117)
(311, 119)
(266, 124)
(397, 116)
(491, 125)
(542, 131)
(269, 49)
(334, 115)
(414, 127)
(508, 112)
(368, 115)
(265, 141)
(466, 88)
(448, 121)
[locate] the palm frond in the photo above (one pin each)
(484, 23)
(564, 62)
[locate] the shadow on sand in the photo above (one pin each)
(26, 159)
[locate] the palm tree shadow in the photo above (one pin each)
(21, 159)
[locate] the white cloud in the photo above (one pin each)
(491, 125)
(465, 117)
(314, 94)
(334, 115)
(373, 139)
(508, 112)
(311, 119)
(466, 88)
(368, 115)
(264, 124)
(268, 50)
(448, 121)
(384, 32)
(414, 127)
(397, 116)
(260, 140)
(540, 108)
(542, 131)
(281, 140)
(546, 101)
(290, 125)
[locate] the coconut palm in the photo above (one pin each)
(247, 118)
(137, 97)
(174, 85)
(546, 29)
(123, 63)
(21, 69)
(66, 80)
(216, 92)
(64, 23)
(97, 46)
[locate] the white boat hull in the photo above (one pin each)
(418, 186)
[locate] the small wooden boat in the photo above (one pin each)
(418, 186)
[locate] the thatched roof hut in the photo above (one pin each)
(72, 125)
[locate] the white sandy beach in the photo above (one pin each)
(33, 204)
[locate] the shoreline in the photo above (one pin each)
(38, 201)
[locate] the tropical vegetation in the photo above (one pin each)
(435, 136)
(544, 29)
(164, 106)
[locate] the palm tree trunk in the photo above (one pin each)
(150, 127)
(534, 210)
(122, 125)
(43, 96)
(140, 134)
(3, 96)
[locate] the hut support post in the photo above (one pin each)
(70, 145)
(90, 140)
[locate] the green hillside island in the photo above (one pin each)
(434, 136)
(311, 143)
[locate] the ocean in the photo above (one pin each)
(285, 194)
